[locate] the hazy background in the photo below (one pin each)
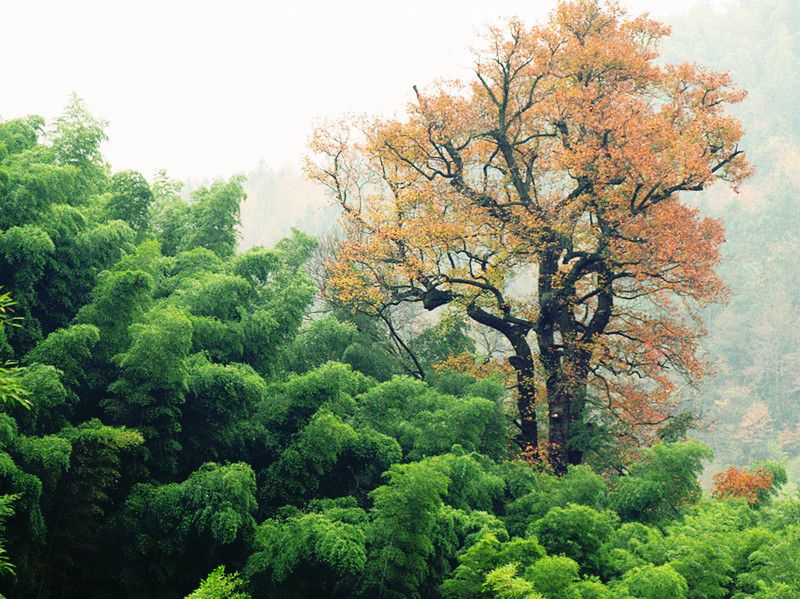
(208, 89)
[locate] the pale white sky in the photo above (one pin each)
(207, 89)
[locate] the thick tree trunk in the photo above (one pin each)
(568, 430)
(528, 436)
(566, 365)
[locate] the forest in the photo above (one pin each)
(546, 350)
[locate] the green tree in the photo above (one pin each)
(101, 468)
(76, 139)
(169, 536)
(310, 555)
(578, 532)
(655, 582)
(660, 482)
(403, 517)
(151, 387)
(214, 217)
(219, 585)
(130, 200)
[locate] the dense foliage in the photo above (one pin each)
(178, 420)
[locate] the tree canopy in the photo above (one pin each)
(542, 199)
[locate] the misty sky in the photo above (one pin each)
(207, 89)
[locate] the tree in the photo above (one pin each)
(214, 217)
(11, 388)
(219, 585)
(76, 139)
(130, 200)
(541, 200)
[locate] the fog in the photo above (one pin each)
(206, 89)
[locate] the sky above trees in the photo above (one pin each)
(207, 89)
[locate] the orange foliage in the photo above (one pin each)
(741, 483)
(541, 198)
(466, 364)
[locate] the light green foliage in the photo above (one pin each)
(169, 213)
(553, 577)
(194, 262)
(247, 314)
(775, 566)
(655, 582)
(593, 589)
(119, 300)
(320, 341)
(105, 244)
(703, 546)
(503, 583)
(310, 555)
(214, 217)
(152, 383)
(130, 200)
(25, 249)
(12, 390)
(578, 532)
(219, 585)
(296, 249)
(47, 458)
(579, 486)
(292, 404)
(424, 421)
(473, 485)
(403, 517)
(778, 478)
(77, 136)
(18, 135)
(661, 482)
(635, 544)
(487, 554)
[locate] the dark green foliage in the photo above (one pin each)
(329, 459)
(23, 531)
(119, 300)
(70, 351)
(218, 400)
(171, 535)
(534, 496)
(100, 471)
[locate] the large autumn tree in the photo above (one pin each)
(541, 197)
